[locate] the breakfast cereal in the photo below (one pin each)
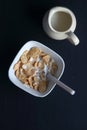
(32, 68)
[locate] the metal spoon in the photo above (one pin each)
(61, 84)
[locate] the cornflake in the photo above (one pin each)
(31, 68)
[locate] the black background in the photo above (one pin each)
(21, 21)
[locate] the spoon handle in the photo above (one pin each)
(61, 84)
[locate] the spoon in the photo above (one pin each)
(61, 84)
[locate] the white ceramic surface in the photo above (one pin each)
(51, 85)
(60, 16)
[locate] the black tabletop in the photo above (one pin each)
(21, 21)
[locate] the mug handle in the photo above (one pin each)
(73, 38)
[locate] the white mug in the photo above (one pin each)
(60, 23)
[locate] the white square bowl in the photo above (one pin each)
(58, 59)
